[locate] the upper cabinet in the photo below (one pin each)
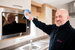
(49, 12)
(19, 4)
(43, 12)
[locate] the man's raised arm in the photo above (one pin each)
(39, 24)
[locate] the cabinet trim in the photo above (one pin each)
(36, 4)
(11, 8)
(54, 8)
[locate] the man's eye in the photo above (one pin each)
(60, 16)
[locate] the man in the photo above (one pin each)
(61, 33)
(12, 27)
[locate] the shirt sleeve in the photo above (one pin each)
(46, 28)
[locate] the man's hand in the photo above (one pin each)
(29, 16)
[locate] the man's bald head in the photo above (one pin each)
(62, 11)
(61, 17)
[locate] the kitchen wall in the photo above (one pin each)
(72, 21)
(64, 6)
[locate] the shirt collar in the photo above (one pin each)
(65, 26)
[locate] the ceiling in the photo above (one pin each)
(56, 3)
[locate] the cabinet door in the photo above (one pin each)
(48, 17)
(20, 4)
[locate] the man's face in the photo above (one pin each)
(60, 18)
(11, 18)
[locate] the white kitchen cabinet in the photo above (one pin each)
(48, 17)
(19, 4)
